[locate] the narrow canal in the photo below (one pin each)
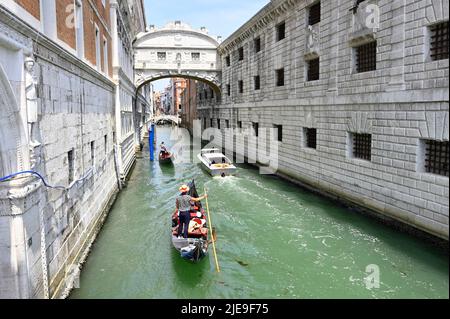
(275, 240)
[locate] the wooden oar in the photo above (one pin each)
(212, 235)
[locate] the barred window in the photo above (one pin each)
(212, 93)
(313, 69)
(280, 77)
(241, 86)
(281, 31)
(257, 43)
(257, 80)
(211, 122)
(195, 56)
(227, 123)
(439, 41)
(239, 124)
(228, 60)
(218, 124)
(314, 14)
(228, 89)
(436, 157)
(241, 54)
(366, 57)
(362, 146)
(161, 56)
(311, 137)
(279, 132)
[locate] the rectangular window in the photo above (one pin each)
(204, 123)
(211, 93)
(79, 29)
(310, 137)
(228, 60)
(313, 69)
(106, 144)
(257, 44)
(241, 86)
(228, 89)
(314, 14)
(211, 123)
(218, 124)
(195, 56)
(257, 80)
(436, 157)
(70, 164)
(239, 125)
(280, 77)
(105, 56)
(366, 57)
(92, 153)
(241, 54)
(362, 146)
(439, 41)
(255, 129)
(161, 56)
(227, 123)
(278, 132)
(281, 31)
(97, 49)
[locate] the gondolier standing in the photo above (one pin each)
(183, 203)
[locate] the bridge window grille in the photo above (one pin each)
(257, 80)
(281, 31)
(362, 146)
(436, 157)
(241, 54)
(227, 60)
(314, 69)
(439, 41)
(280, 77)
(257, 44)
(161, 56)
(311, 137)
(314, 14)
(366, 57)
(195, 56)
(241, 86)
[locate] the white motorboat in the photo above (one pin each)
(215, 163)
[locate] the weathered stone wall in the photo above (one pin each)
(402, 102)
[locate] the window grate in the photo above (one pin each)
(439, 41)
(195, 56)
(314, 70)
(228, 89)
(436, 157)
(218, 124)
(281, 31)
(227, 123)
(257, 80)
(255, 129)
(280, 77)
(257, 44)
(311, 137)
(362, 146)
(366, 57)
(241, 86)
(228, 60)
(211, 122)
(314, 14)
(241, 54)
(161, 56)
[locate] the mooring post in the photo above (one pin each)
(151, 142)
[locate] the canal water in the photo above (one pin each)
(275, 240)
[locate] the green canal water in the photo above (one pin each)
(275, 240)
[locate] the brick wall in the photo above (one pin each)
(65, 22)
(32, 6)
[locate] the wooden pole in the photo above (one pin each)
(213, 241)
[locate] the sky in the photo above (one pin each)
(220, 17)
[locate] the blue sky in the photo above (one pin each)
(220, 17)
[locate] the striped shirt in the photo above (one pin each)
(184, 204)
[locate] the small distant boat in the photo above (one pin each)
(165, 158)
(195, 247)
(215, 163)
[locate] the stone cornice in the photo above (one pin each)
(263, 18)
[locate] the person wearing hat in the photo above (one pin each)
(183, 203)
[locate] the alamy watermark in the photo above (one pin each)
(372, 280)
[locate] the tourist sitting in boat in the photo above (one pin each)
(183, 203)
(163, 149)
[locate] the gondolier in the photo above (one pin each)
(183, 203)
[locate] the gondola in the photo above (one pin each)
(195, 247)
(165, 158)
